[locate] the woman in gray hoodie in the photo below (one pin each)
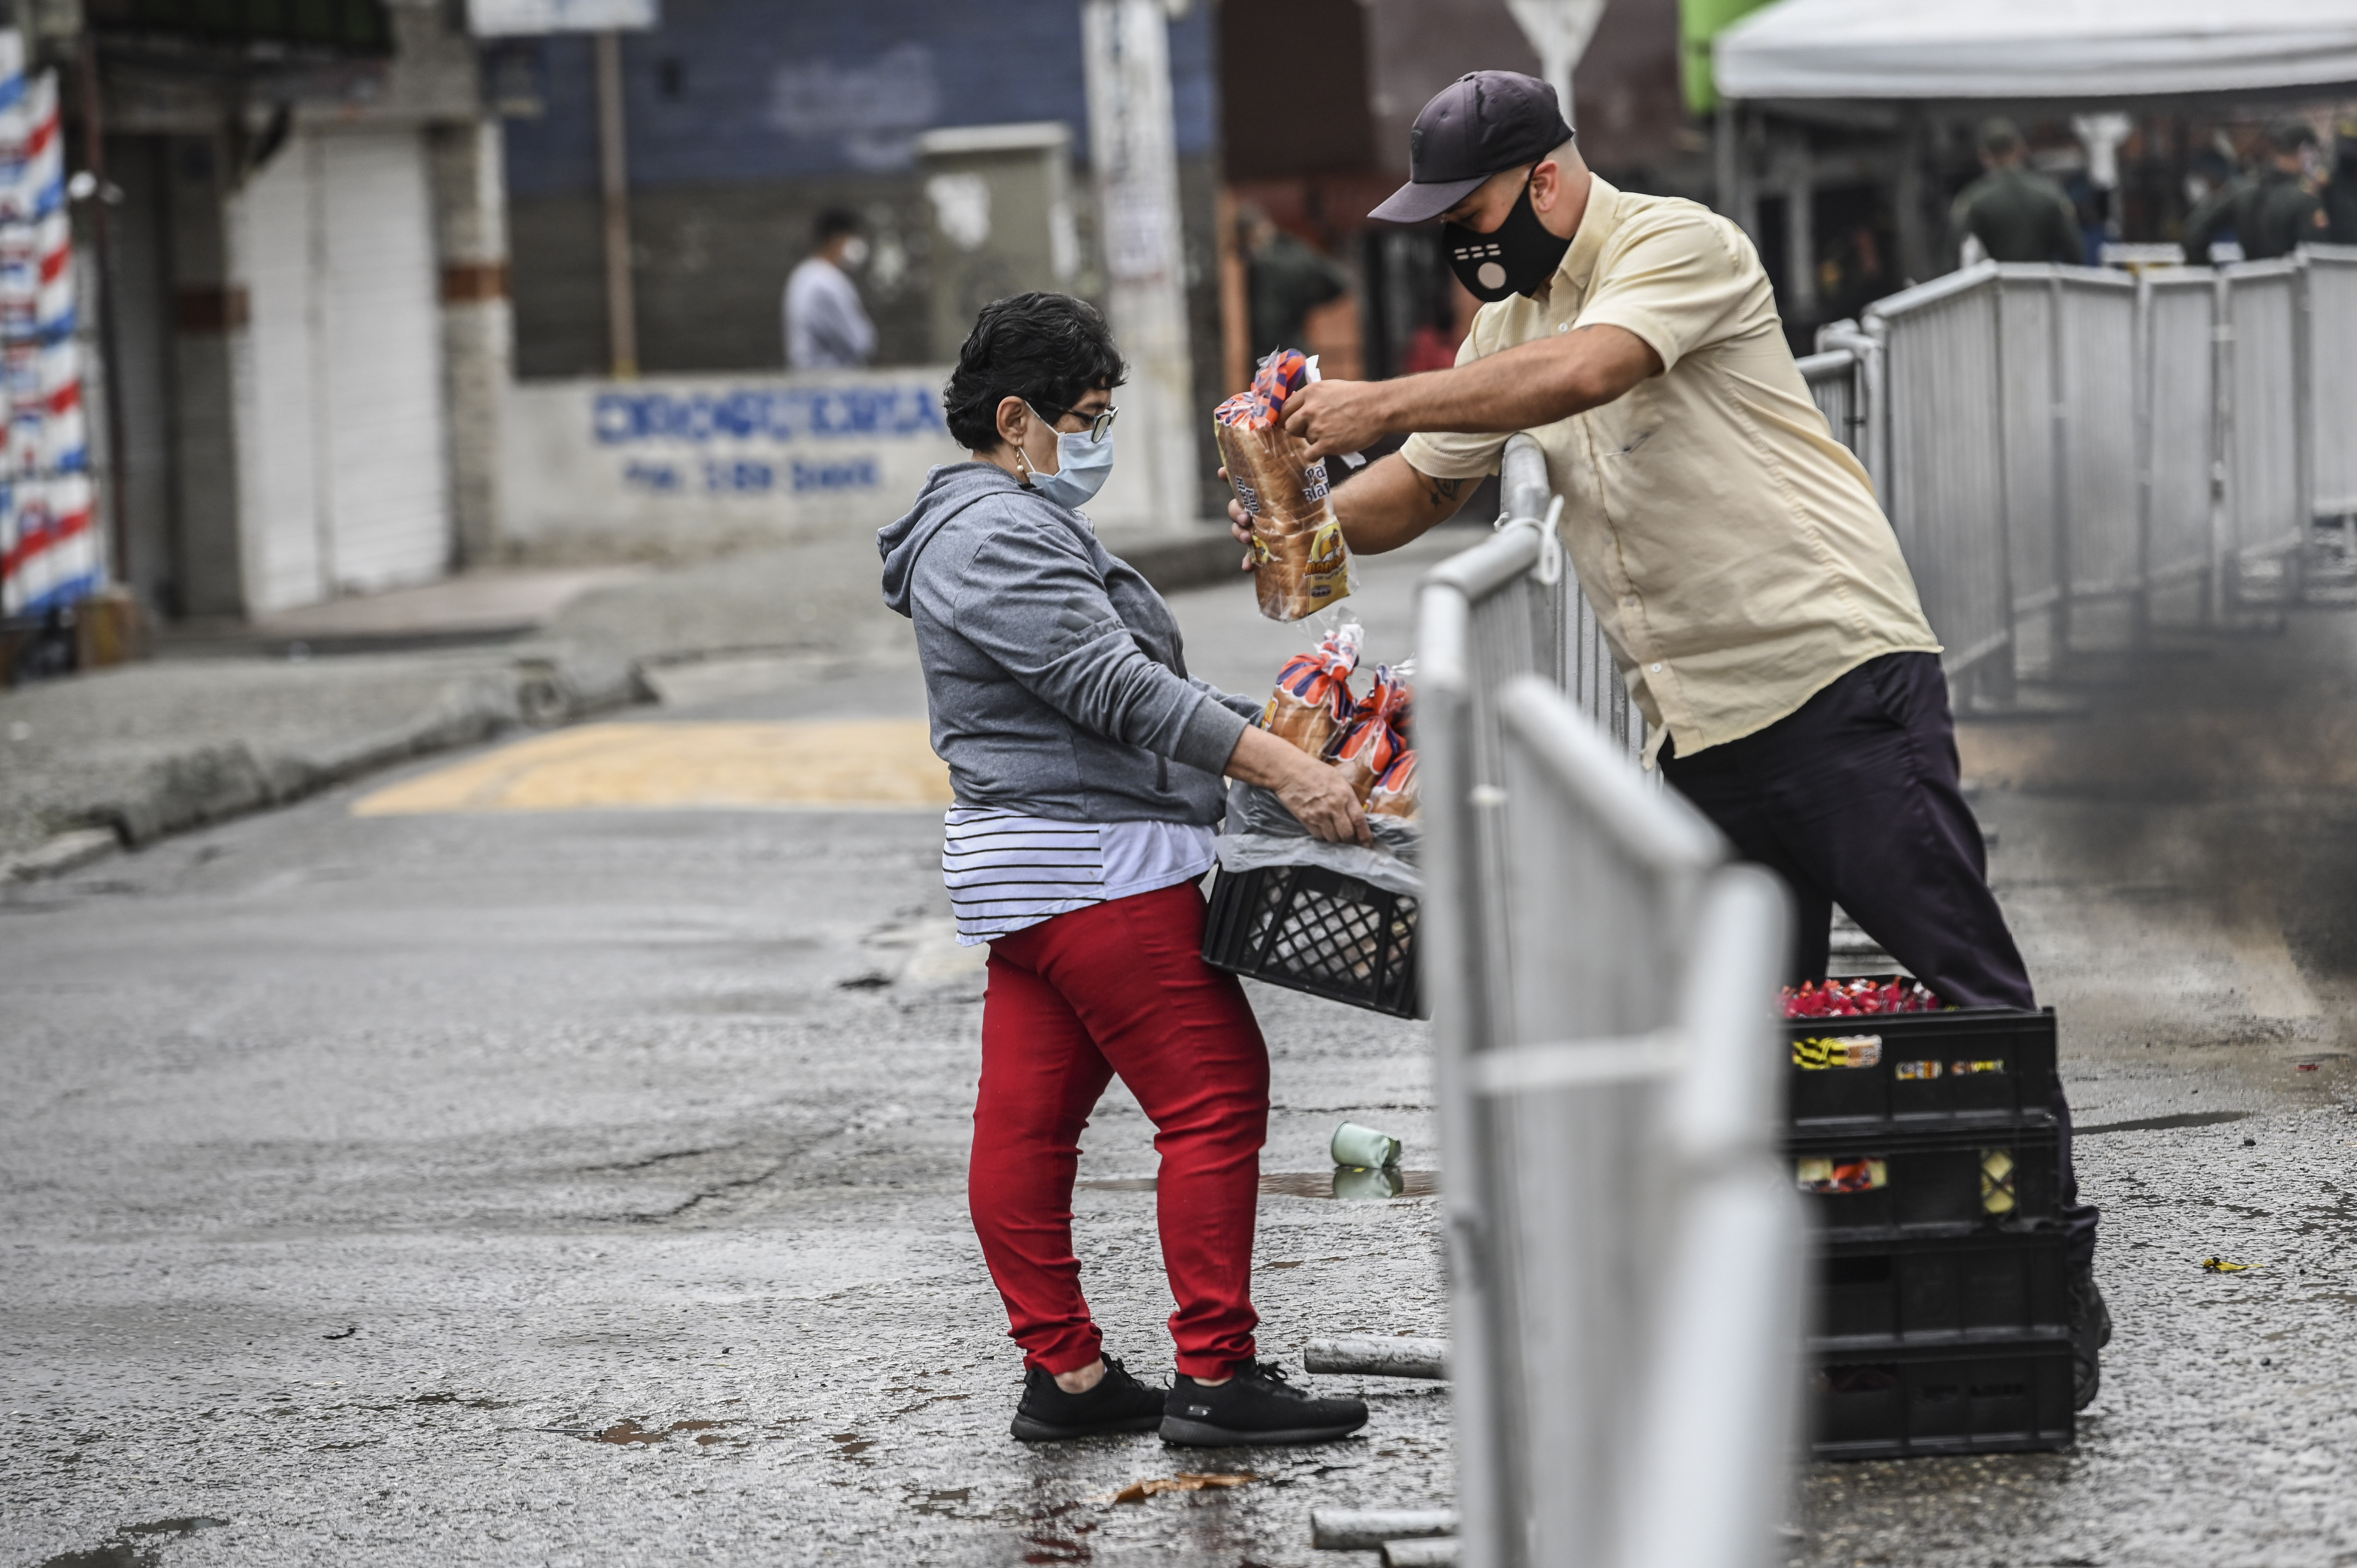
(1087, 765)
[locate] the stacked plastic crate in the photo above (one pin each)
(1931, 1162)
(51, 552)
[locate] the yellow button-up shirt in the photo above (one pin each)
(1732, 548)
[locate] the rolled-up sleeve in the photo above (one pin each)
(1045, 619)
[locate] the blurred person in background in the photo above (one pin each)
(2340, 195)
(826, 327)
(2272, 210)
(1087, 764)
(1287, 279)
(2011, 213)
(1850, 272)
(1754, 593)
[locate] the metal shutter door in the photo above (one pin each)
(387, 492)
(270, 253)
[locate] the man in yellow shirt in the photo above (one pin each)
(1753, 592)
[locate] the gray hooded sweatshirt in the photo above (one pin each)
(1052, 670)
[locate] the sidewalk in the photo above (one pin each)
(234, 719)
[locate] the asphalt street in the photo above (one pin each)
(549, 1172)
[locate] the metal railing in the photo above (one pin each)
(2332, 297)
(2065, 448)
(2266, 503)
(2177, 390)
(1835, 386)
(1944, 474)
(1624, 1260)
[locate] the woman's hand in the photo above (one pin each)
(1312, 791)
(1240, 524)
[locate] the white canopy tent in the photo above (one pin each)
(2025, 49)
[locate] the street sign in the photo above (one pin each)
(505, 18)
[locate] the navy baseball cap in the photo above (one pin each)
(1483, 122)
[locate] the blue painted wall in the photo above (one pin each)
(752, 91)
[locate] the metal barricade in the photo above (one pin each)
(2329, 276)
(2177, 408)
(2261, 434)
(1624, 1260)
(1943, 486)
(1529, 610)
(2028, 374)
(1832, 377)
(1864, 437)
(2095, 420)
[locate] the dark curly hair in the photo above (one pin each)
(1049, 350)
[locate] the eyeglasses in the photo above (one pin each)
(1100, 425)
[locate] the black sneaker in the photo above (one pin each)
(2090, 1330)
(1118, 1403)
(1256, 1405)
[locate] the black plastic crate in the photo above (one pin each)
(1950, 1183)
(1990, 1066)
(1317, 931)
(2000, 1286)
(1906, 1403)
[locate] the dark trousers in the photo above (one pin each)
(1854, 800)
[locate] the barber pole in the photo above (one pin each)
(51, 552)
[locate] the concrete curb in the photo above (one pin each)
(59, 854)
(1193, 560)
(545, 687)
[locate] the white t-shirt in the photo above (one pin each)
(826, 327)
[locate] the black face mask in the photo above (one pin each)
(1516, 258)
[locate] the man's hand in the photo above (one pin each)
(1339, 416)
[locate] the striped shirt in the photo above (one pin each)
(1006, 872)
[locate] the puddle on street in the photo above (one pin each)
(624, 1433)
(1055, 1542)
(123, 1553)
(2163, 1123)
(1348, 1183)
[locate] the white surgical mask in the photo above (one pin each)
(1082, 464)
(854, 251)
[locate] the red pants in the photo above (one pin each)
(1122, 988)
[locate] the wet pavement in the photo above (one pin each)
(586, 1186)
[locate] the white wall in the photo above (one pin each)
(676, 467)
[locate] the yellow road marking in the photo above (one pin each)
(857, 763)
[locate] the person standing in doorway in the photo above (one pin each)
(2011, 213)
(1287, 279)
(826, 327)
(1754, 594)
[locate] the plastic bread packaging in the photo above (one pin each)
(1377, 732)
(1394, 793)
(1301, 565)
(1259, 831)
(1311, 704)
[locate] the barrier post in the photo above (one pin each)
(1601, 990)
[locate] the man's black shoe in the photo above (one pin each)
(1118, 1403)
(1256, 1405)
(2090, 1330)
